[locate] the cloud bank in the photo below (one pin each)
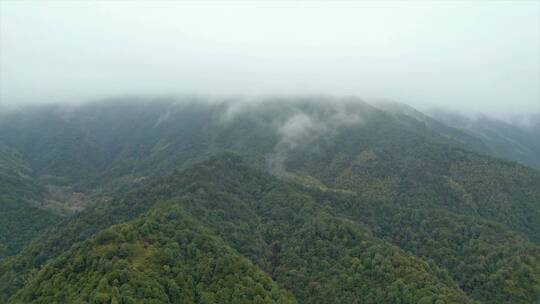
(473, 56)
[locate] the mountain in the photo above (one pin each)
(321, 201)
(321, 246)
(518, 141)
(451, 132)
(158, 258)
(255, 214)
(21, 217)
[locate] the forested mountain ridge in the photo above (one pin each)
(329, 202)
(126, 140)
(159, 258)
(21, 217)
(242, 206)
(519, 142)
(412, 117)
(272, 222)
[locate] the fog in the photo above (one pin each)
(469, 56)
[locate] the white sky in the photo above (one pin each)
(477, 55)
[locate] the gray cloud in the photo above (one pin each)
(300, 129)
(473, 56)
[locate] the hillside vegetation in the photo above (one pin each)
(305, 201)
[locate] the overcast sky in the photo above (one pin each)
(478, 55)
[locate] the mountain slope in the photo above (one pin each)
(387, 163)
(334, 202)
(461, 239)
(489, 262)
(300, 238)
(20, 217)
(164, 257)
(413, 118)
(517, 141)
(229, 182)
(389, 154)
(320, 257)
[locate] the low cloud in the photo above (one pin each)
(303, 129)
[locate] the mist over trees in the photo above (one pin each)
(307, 200)
(269, 152)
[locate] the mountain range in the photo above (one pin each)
(282, 200)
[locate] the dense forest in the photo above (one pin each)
(278, 201)
(518, 142)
